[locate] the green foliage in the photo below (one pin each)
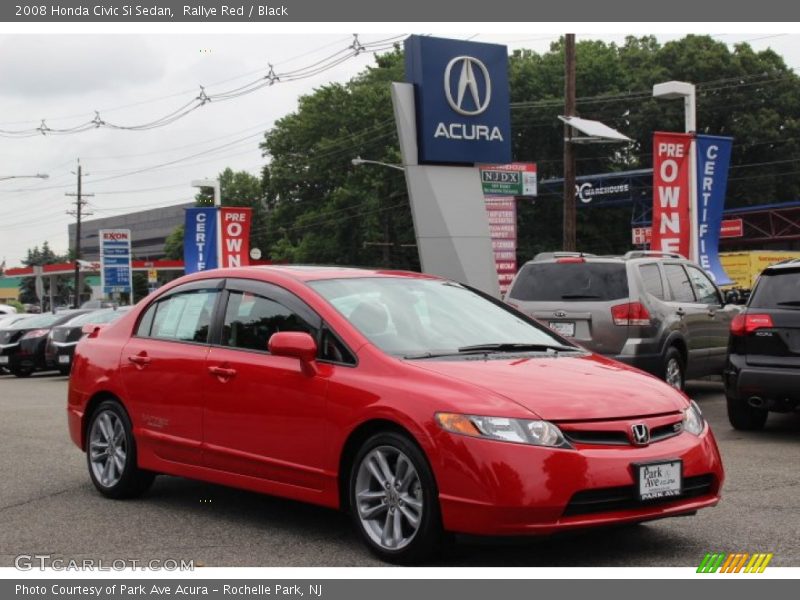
(324, 210)
(173, 245)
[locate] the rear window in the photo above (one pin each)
(571, 282)
(777, 289)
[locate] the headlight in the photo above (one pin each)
(519, 431)
(693, 420)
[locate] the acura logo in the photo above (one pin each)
(468, 85)
(641, 434)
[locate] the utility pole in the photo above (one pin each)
(78, 213)
(569, 242)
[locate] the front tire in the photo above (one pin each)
(745, 417)
(111, 454)
(394, 500)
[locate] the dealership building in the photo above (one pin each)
(149, 231)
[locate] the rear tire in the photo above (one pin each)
(64, 372)
(394, 501)
(22, 371)
(745, 417)
(674, 369)
(111, 454)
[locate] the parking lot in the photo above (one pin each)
(48, 506)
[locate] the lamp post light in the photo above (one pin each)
(357, 161)
(672, 90)
(210, 183)
(37, 176)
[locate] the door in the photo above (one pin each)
(264, 415)
(718, 320)
(689, 317)
(163, 370)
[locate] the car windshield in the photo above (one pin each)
(38, 322)
(421, 317)
(96, 317)
(777, 289)
(571, 282)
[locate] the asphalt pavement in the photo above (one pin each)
(48, 506)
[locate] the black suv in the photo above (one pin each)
(762, 371)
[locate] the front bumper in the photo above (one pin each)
(495, 488)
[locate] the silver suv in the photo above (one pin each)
(658, 312)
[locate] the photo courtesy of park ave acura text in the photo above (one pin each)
(374, 298)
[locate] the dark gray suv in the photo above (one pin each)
(658, 312)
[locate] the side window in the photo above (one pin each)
(705, 290)
(679, 284)
(250, 320)
(651, 278)
(333, 350)
(184, 317)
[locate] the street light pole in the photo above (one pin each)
(569, 235)
(681, 89)
(357, 161)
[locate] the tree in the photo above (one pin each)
(324, 210)
(173, 245)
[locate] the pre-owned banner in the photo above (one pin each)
(671, 170)
(200, 239)
(713, 158)
(235, 234)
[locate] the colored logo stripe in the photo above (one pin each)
(734, 563)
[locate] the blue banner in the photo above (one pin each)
(200, 239)
(713, 159)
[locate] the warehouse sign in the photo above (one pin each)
(115, 261)
(515, 179)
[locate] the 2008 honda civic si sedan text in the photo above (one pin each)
(417, 404)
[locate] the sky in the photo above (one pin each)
(135, 78)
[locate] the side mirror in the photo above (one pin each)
(295, 344)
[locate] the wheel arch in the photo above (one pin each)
(95, 401)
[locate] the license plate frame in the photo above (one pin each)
(663, 489)
(565, 328)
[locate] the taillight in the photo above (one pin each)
(744, 324)
(632, 313)
(34, 333)
(571, 259)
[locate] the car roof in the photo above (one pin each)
(786, 265)
(315, 272)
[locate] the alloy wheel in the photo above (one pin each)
(673, 375)
(388, 496)
(108, 448)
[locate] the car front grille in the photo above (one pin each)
(625, 497)
(619, 437)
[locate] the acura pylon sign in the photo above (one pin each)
(462, 100)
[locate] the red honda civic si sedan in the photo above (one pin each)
(416, 403)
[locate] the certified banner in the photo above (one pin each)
(713, 158)
(200, 239)
(235, 234)
(671, 162)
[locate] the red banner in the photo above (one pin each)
(671, 163)
(502, 212)
(234, 236)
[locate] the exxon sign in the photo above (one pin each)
(462, 100)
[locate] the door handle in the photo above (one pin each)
(222, 372)
(141, 360)
(680, 312)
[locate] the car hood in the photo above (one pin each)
(565, 388)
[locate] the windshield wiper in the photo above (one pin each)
(511, 347)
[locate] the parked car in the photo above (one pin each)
(762, 373)
(418, 404)
(7, 309)
(658, 312)
(7, 320)
(62, 339)
(22, 344)
(99, 304)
